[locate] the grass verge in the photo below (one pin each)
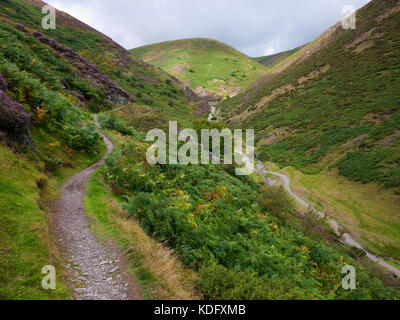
(159, 273)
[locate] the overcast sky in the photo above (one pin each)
(255, 27)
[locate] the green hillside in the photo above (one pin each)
(334, 106)
(182, 230)
(50, 83)
(272, 60)
(149, 85)
(203, 64)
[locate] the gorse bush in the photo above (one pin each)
(276, 201)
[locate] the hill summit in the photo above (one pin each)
(211, 68)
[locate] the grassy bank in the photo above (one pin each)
(26, 244)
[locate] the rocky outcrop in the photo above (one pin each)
(14, 121)
(207, 95)
(115, 94)
(189, 93)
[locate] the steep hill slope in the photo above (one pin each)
(272, 60)
(243, 240)
(149, 85)
(207, 66)
(335, 104)
(50, 83)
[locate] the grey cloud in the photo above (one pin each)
(256, 27)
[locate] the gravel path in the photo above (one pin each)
(95, 269)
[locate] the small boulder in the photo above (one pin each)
(44, 40)
(20, 27)
(60, 47)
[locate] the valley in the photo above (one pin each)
(78, 193)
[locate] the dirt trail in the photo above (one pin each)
(346, 238)
(95, 269)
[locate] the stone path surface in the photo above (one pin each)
(95, 268)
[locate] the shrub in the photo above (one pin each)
(82, 136)
(112, 123)
(12, 115)
(219, 283)
(275, 200)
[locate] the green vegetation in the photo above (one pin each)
(272, 60)
(64, 136)
(333, 108)
(205, 63)
(217, 225)
(371, 220)
(150, 86)
(159, 274)
(339, 98)
(25, 245)
(27, 184)
(233, 239)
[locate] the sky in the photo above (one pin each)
(255, 27)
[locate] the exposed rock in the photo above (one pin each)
(202, 108)
(37, 34)
(355, 141)
(189, 93)
(79, 96)
(44, 40)
(389, 141)
(115, 94)
(206, 95)
(20, 27)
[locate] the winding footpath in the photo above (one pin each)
(345, 238)
(95, 269)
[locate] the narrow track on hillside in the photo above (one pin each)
(95, 269)
(345, 238)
